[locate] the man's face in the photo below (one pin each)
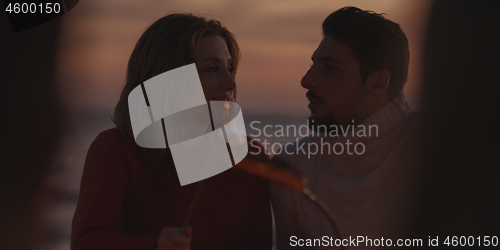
(336, 93)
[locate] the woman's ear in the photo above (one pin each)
(378, 81)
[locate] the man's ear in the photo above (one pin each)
(378, 81)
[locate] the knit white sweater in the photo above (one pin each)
(371, 195)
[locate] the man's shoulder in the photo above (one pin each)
(414, 122)
(414, 116)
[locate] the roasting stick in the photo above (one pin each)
(283, 176)
(194, 201)
(201, 187)
(325, 209)
(286, 177)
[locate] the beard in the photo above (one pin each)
(321, 123)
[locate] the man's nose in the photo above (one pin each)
(307, 81)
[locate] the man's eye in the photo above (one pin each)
(329, 67)
(230, 69)
(212, 69)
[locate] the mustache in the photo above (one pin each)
(312, 95)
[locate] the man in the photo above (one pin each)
(357, 158)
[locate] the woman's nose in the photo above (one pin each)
(227, 82)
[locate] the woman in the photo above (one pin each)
(130, 197)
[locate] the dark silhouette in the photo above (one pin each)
(461, 112)
(30, 127)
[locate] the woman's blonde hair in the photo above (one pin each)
(168, 43)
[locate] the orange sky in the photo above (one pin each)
(276, 38)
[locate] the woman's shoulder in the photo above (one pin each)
(113, 140)
(111, 151)
(111, 136)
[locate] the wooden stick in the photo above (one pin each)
(326, 211)
(194, 201)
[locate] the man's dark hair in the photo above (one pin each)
(378, 43)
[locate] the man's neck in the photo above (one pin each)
(374, 106)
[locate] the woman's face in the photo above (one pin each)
(214, 69)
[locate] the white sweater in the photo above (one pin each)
(371, 195)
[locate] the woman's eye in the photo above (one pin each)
(230, 69)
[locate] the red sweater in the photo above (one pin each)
(124, 205)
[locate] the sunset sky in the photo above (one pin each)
(277, 39)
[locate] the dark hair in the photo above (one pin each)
(168, 43)
(378, 43)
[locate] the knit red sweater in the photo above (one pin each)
(124, 205)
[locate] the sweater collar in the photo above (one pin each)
(381, 122)
(388, 120)
(391, 115)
